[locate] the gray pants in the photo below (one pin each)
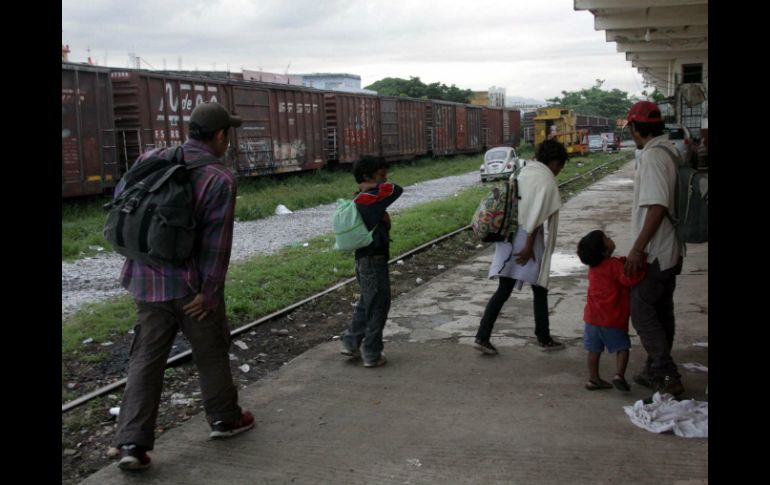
(652, 314)
(365, 331)
(154, 335)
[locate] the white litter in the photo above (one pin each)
(400, 261)
(441, 266)
(701, 344)
(87, 341)
(106, 344)
(244, 368)
(688, 419)
(306, 245)
(419, 281)
(182, 402)
(282, 209)
(240, 344)
(233, 357)
(114, 411)
(414, 462)
(695, 367)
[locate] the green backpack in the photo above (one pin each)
(350, 232)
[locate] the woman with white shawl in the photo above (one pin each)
(525, 256)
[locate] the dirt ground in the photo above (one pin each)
(87, 430)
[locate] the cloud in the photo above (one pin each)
(519, 44)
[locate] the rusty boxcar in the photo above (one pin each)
(474, 132)
(441, 118)
(352, 125)
(404, 129)
(511, 127)
(493, 127)
(281, 131)
(87, 134)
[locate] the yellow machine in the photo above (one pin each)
(556, 123)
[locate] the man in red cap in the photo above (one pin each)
(656, 244)
(189, 298)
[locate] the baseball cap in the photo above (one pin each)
(211, 117)
(644, 112)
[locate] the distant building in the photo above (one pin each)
(269, 77)
(335, 82)
(65, 50)
(495, 97)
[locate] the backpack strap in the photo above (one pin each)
(674, 159)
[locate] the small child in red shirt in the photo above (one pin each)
(607, 308)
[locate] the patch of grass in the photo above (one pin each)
(83, 219)
(100, 321)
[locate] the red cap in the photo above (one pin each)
(644, 112)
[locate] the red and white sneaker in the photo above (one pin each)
(221, 430)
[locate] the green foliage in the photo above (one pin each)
(595, 101)
(656, 96)
(414, 88)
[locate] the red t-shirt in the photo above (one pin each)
(609, 298)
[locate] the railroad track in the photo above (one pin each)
(183, 356)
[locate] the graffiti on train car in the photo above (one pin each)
(181, 103)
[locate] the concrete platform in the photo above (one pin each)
(441, 413)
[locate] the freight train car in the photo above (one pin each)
(121, 113)
(404, 127)
(281, 131)
(511, 127)
(594, 125)
(502, 127)
(353, 125)
(88, 133)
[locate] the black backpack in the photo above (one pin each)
(152, 219)
(690, 216)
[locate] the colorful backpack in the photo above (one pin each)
(497, 214)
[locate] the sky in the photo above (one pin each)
(533, 48)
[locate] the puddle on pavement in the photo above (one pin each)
(563, 264)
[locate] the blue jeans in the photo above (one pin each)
(365, 331)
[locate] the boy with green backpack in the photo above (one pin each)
(363, 338)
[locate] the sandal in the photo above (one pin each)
(593, 385)
(550, 345)
(620, 384)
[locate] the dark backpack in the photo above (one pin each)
(690, 216)
(497, 214)
(152, 219)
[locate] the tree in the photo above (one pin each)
(414, 88)
(656, 96)
(595, 101)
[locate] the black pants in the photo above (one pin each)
(501, 296)
(652, 314)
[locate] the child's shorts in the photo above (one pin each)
(596, 338)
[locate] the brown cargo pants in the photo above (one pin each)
(154, 335)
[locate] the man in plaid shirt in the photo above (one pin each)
(189, 297)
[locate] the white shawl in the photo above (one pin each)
(540, 200)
